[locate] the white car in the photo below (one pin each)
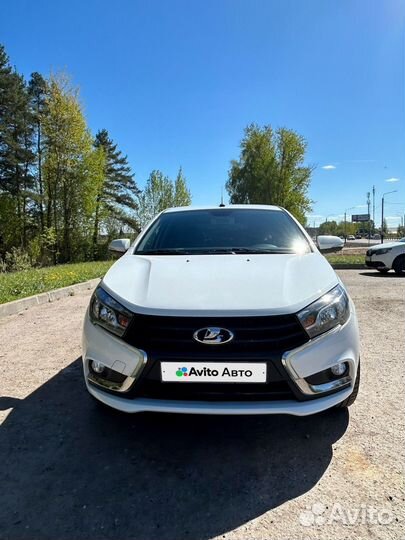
(383, 257)
(222, 311)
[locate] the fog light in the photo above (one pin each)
(339, 369)
(97, 367)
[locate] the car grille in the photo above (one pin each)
(168, 335)
(275, 390)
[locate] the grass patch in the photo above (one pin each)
(336, 259)
(17, 285)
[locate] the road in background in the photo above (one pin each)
(68, 470)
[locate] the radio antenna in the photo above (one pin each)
(222, 205)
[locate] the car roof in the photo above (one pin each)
(227, 207)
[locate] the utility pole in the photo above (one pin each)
(382, 213)
(373, 206)
(368, 211)
(382, 220)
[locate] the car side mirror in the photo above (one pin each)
(328, 244)
(121, 245)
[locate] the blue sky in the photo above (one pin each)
(176, 81)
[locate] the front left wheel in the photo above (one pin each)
(399, 265)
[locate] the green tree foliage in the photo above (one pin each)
(117, 195)
(271, 170)
(160, 193)
(340, 229)
(73, 170)
(182, 195)
(63, 193)
(329, 227)
(16, 156)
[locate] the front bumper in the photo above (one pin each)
(375, 264)
(295, 408)
(339, 345)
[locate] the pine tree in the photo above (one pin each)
(37, 93)
(16, 156)
(117, 197)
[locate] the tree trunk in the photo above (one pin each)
(66, 248)
(40, 184)
(96, 226)
(19, 213)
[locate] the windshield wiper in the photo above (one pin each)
(220, 251)
(213, 251)
(167, 251)
(271, 251)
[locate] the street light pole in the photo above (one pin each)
(382, 213)
(374, 207)
(347, 209)
(368, 212)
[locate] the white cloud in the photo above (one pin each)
(392, 179)
(328, 167)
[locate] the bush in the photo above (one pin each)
(15, 260)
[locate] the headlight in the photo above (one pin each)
(381, 251)
(107, 312)
(329, 311)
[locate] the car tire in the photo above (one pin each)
(352, 398)
(399, 265)
(383, 270)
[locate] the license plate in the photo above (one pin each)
(220, 372)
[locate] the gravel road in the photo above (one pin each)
(69, 472)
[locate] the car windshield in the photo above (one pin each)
(223, 231)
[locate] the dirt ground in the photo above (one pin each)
(70, 472)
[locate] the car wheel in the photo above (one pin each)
(383, 270)
(352, 398)
(399, 264)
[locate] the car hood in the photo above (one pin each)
(219, 284)
(387, 245)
